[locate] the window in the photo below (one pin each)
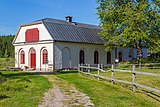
(81, 57)
(22, 57)
(130, 54)
(120, 56)
(96, 57)
(45, 56)
(32, 35)
(108, 57)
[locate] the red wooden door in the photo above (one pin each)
(33, 58)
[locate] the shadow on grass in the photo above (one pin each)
(16, 74)
(151, 94)
(66, 72)
(3, 97)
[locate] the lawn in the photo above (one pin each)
(104, 94)
(150, 81)
(19, 89)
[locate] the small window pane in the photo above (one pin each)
(45, 56)
(22, 57)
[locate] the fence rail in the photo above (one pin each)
(113, 80)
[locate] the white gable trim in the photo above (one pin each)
(24, 26)
(44, 35)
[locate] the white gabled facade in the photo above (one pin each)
(43, 33)
(45, 42)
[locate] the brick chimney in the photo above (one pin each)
(69, 19)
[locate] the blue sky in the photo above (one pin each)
(17, 12)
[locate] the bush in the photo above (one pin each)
(145, 60)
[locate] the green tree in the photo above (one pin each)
(130, 23)
(6, 46)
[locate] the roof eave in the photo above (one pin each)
(80, 42)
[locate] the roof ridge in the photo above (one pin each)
(76, 24)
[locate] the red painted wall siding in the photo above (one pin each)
(32, 35)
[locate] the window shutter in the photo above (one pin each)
(32, 35)
(26, 35)
(35, 34)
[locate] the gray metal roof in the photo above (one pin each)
(73, 32)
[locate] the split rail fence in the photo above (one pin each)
(88, 68)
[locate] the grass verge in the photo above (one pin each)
(104, 94)
(22, 89)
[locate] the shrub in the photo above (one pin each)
(145, 60)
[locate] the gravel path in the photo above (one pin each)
(64, 95)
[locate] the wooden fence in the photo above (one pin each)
(113, 80)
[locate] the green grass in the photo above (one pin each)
(4, 62)
(150, 81)
(22, 89)
(104, 94)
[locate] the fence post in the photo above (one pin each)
(79, 68)
(112, 69)
(101, 66)
(98, 71)
(88, 68)
(140, 65)
(134, 79)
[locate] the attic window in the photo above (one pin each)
(32, 35)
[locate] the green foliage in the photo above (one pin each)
(145, 60)
(130, 23)
(6, 46)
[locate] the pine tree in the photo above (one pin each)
(6, 46)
